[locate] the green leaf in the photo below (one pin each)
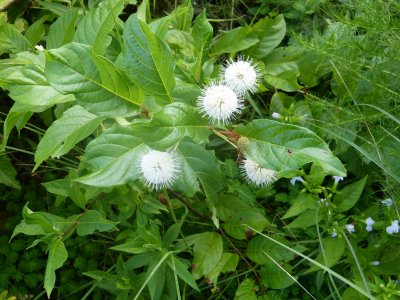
(92, 221)
(61, 32)
(202, 31)
(258, 246)
(27, 229)
(198, 163)
(228, 263)
(95, 27)
(236, 214)
(274, 277)
(270, 33)
(177, 265)
(207, 251)
(347, 197)
(234, 40)
(57, 256)
(171, 124)
(305, 219)
(111, 158)
(333, 249)
(12, 41)
(247, 290)
(74, 125)
(98, 85)
(8, 173)
(300, 204)
(285, 147)
(148, 59)
(36, 31)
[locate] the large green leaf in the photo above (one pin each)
(270, 32)
(235, 40)
(112, 157)
(274, 277)
(227, 263)
(95, 27)
(12, 41)
(198, 163)
(171, 124)
(258, 246)
(8, 173)
(148, 59)
(92, 221)
(74, 125)
(98, 85)
(57, 256)
(62, 30)
(207, 251)
(349, 195)
(246, 290)
(284, 147)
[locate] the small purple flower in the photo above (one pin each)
(275, 115)
(334, 233)
(350, 228)
(369, 221)
(298, 178)
(375, 263)
(393, 228)
(337, 179)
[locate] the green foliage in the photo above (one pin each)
(284, 198)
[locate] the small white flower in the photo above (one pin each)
(275, 115)
(350, 228)
(375, 263)
(159, 169)
(323, 200)
(39, 48)
(388, 202)
(393, 228)
(241, 76)
(337, 179)
(295, 179)
(256, 174)
(219, 102)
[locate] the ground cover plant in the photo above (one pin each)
(185, 154)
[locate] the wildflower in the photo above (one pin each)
(323, 200)
(219, 102)
(375, 263)
(369, 221)
(159, 169)
(350, 228)
(393, 228)
(295, 179)
(337, 179)
(241, 76)
(275, 115)
(256, 174)
(39, 48)
(388, 202)
(334, 233)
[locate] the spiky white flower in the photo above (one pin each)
(241, 75)
(350, 228)
(219, 102)
(256, 174)
(393, 228)
(159, 169)
(295, 179)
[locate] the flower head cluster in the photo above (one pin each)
(256, 174)
(158, 169)
(219, 102)
(242, 76)
(393, 228)
(369, 221)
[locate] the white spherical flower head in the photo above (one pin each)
(219, 103)
(159, 169)
(256, 174)
(241, 75)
